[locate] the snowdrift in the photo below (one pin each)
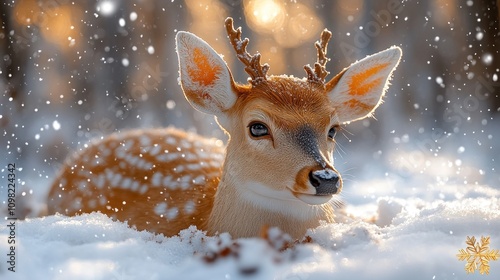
(400, 236)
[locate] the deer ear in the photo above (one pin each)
(358, 90)
(205, 78)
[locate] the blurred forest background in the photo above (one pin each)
(71, 71)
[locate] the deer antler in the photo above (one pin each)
(319, 73)
(257, 72)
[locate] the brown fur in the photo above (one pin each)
(68, 198)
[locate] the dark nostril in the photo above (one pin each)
(313, 179)
(326, 181)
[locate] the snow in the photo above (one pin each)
(56, 125)
(403, 234)
(326, 174)
(133, 16)
(106, 8)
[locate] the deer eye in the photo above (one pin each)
(332, 131)
(258, 129)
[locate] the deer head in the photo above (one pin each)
(281, 128)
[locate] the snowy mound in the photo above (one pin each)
(408, 238)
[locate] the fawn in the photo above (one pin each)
(277, 168)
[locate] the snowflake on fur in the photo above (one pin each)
(478, 255)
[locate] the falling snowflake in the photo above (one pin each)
(478, 254)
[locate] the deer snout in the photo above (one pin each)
(316, 186)
(326, 181)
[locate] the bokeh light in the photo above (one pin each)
(265, 15)
(291, 24)
(57, 24)
(106, 8)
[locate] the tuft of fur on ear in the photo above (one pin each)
(204, 76)
(360, 88)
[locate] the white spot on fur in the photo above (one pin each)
(102, 201)
(98, 180)
(199, 180)
(82, 185)
(179, 169)
(193, 166)
(168, 157)
(77, 202)
(167, 181)
(145, 140)
(120, 152)
(115, 181)
(135, 186)
(143, 189)
(156, 179)
(185, 144)
(160, 208)
(189, 207)
(126, 183)
(92, 203)
(172, 213)
(215, 164)
(191, 157)
(109, 174)
(185, 182)
(104, 150)
(128, 144)
(132, 160)
(155, 150)
(171, 141)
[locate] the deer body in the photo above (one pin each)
(278, 166)
(161, 180)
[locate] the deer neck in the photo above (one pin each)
(244, 208)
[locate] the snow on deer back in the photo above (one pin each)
(278, 168)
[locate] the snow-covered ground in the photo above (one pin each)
(411, 232)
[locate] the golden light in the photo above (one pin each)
(351, 7)
(272, 54)
(59, 28)
(207, 21)
(264, 15)
(266, 12)
(56, 23)
(290, 23)
(302, 26)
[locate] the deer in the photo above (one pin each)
(277, 167)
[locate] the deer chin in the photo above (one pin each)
(282, 201)
(312, 199)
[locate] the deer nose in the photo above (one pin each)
(326, 181)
